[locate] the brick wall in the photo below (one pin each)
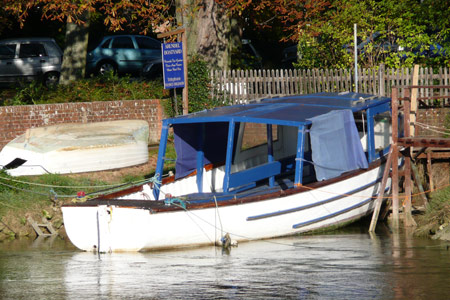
(15, 120)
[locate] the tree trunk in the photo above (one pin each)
(208, 30)
(74, 61)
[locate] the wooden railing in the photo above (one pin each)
(240, 86)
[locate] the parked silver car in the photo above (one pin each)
(25, 59)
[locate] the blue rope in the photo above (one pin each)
(156, 182)
(54, 194)
(175, 201)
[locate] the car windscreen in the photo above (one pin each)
(106, 44)
(53, 49)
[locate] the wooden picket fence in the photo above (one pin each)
(241, 86)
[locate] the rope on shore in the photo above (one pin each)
(71, 186)
(35, 192)
(53, 194)
(436, 129)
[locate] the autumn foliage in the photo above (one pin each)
(144, 15)
(294, 15)
(137, 15)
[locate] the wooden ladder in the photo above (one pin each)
(47, 226)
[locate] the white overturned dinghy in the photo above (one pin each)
(271, 168)
(76, 148)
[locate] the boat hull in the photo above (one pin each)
(110, 228)
(76, 148)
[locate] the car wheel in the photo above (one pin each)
(106, 67)
(51, 79)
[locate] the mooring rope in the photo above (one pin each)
(218, 214)
(52, 192)
(35, 192)
(189, 215)
(109, 188)
(320, 166)
(71, 186)
(436, 129)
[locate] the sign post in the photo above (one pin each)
(175, 64)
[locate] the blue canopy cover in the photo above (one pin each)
(335, 144)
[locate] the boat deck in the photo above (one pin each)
(199, 200)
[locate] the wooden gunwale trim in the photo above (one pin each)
(159, 206)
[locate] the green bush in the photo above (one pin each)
(102, 88)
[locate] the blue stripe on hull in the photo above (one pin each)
(295, 209)
(303, 224)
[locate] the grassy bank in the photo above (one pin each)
(37, 197)
(101, 88)
(436, 219)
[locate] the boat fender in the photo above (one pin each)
(81, 197)
(227, 242)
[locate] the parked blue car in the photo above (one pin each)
(126, 54)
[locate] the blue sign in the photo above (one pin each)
(173, 65)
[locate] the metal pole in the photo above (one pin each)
(185, 89)
(356, 57)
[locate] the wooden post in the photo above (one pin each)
(416, 178)
(414, 91)
(430, 171)
(181, 32)
(376, 211)
(395, 218)
(408, 221)
(185, 89)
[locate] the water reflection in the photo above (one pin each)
(345, 265)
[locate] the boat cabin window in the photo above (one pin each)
(252, 147)
(382, 130)
(255, 134)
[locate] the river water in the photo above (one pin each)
(347, 264)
